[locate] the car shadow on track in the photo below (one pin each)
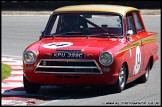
(66, 92)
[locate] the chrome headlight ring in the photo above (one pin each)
(106, 58)
(29, 57)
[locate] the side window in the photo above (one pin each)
(130, 23)
(138, 23)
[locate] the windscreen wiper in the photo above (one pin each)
(69, 34)
(104, 35)
(72, 32)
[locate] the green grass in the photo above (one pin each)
(6, 71)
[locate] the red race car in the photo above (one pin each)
(91, 45)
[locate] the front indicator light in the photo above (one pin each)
(106, 69)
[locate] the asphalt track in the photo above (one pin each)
(20, 31)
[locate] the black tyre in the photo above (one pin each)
(30, 88)
(145, 77)
(120, 84)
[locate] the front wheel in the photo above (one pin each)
(120, 84)
(30, 88)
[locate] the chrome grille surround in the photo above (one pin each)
(63, 66)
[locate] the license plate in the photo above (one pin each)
(68, 55)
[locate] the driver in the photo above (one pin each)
(69, 23)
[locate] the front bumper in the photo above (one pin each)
(72, 79)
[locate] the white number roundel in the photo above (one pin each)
(56, 45)
(137, 60)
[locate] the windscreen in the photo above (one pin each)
(84, 24)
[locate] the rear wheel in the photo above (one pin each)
(29, 87)
(120, 84)
(145, 77)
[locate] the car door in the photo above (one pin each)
(145, 37)
(141, 32)
(136, 48)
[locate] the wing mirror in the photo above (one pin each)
(129, 35)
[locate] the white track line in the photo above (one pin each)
(13, 63)
(11, 56)
(14, 78)
(16, 67)
(17, 72)
(8, 102)
(12, 84)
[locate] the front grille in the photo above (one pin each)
(68, 66)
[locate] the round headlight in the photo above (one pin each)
(106, 58)
(29, 57)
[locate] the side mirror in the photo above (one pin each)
(129, 34)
